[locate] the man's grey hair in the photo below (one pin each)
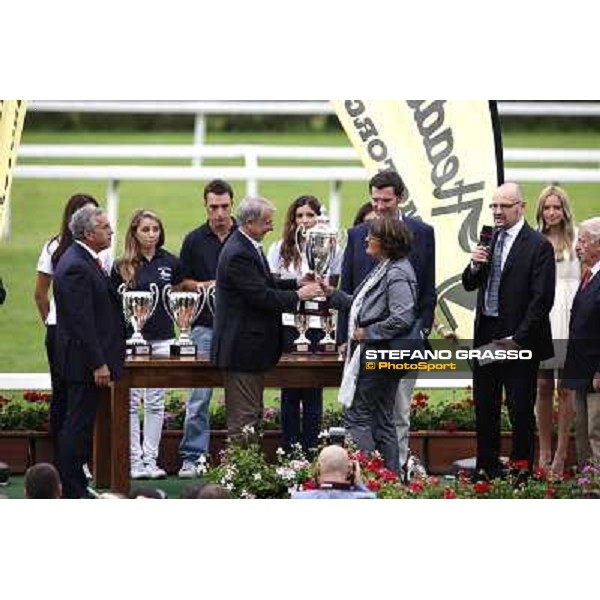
(84, 220)
(252, 208)
(592, 226)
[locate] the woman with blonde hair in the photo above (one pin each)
(143, 262)
(555, 220)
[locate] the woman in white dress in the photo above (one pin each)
(555, 220)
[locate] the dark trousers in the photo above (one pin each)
(58, 404)
(301, 416)
(518, 380)
(243, 401)
(301, 408)
(75, 437)
(370, 419)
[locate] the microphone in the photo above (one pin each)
(485, 239)
(485, 236)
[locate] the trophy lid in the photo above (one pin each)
(322, 225)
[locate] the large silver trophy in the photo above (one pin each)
(138, 307)
(318, 247)
(183, 308)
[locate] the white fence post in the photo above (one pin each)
(112, 210)
(5, 233)
(199, 136)
(334, 203)
(251, 163)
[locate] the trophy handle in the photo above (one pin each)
(121, 289)
(203, 296)
(165, 299)
(156, 296)
(211, 301)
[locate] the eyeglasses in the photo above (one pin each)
(503, 207)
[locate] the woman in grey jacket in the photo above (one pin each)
(382, 308)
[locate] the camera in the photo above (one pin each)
(337, 436)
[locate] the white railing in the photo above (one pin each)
(41, 381)
(282, 107)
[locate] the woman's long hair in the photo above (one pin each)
(65, 237)
(289, 253)
(567, 225)
(129, 263)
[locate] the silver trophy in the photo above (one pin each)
(301, 343)
(318, 246)
(138, 307)
(327, 345)
(183, 308)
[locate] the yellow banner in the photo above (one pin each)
(11, 125)
(449, 154)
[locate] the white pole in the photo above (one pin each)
(251, 165)
(112, 210)
(334, 203)
(199, 137)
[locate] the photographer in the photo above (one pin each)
(338, 478)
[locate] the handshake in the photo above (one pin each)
(311, 287)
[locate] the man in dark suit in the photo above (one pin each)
(247, 337)
(90, 339)
(582, 364)
(515, 281)
(387, 191)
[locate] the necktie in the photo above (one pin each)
(586, 278)
(494, 279)
(99, 265)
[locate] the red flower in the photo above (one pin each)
(449, 493)
(309, 484)
(376, 464)
(415, 487)
(373, 485)
(434, 480)
(540, 473)
(388, 476)
(482, 487)
(550, 492)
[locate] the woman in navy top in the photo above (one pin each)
(143, 262)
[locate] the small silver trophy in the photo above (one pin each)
(327, 344)
(301, 343)
(138, 307)
(183, 308)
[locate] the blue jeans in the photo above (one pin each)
(196, 428)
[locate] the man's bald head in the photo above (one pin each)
(508, 205)
(334, 464)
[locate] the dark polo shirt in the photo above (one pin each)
(199, 257)
(163, 269)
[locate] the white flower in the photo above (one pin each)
(248, 430)
(257, 476)
(201, 459)
(229, 486)
(280, 451)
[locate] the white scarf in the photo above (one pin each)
(352, 366)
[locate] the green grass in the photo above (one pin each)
(37, 207)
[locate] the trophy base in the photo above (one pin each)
(181, 351)
(327, 348)
(138, 350)
(301, 349)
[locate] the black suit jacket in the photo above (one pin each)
(526, 293)
(583, 349)
(247, 332)
(90, 328)
(357, 264)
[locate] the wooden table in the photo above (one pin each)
(111, 438)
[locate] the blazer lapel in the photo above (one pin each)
(515, 250)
